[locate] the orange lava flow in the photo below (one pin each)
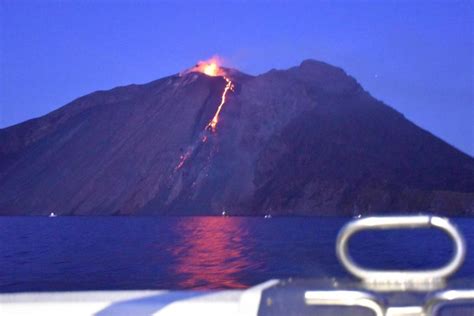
(213, 123)
(212, 69)
(183, 159)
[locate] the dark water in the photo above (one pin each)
(79, 253)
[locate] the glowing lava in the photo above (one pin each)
(212, 69)
(183, 158)
(209, 67)
(213, 123)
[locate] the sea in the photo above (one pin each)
(117, 253)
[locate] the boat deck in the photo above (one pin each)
(153, 302)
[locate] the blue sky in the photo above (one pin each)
(415, 56)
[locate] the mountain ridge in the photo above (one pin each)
(308, 140)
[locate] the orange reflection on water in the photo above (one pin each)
(211, 253)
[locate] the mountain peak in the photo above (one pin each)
(324, 76)
(314, 63)
(295, 141)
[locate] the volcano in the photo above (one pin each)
(308, 140)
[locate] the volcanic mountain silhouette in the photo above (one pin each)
(307, 140)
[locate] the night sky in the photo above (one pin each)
(415, 56)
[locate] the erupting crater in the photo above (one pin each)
(210, 68)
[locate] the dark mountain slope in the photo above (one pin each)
(360, 156)
(308, 140)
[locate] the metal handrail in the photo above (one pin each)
(395, 280)
(403, 278)
(441, 299)
(345, 298)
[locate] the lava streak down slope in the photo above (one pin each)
(308, 140)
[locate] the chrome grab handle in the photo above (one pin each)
(405, 279)
(369, 301)
(437, 301)
(383, 280)
(345, 298)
